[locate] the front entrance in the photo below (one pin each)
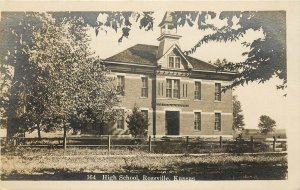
(172, 123)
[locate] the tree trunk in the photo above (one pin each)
(15, 99)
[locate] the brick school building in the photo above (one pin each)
(180, 95)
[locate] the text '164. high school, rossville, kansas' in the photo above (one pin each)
(139, 177)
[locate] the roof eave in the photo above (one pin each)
(211, 71)
(127, 63)
(175, 36)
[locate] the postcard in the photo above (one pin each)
(149, 95)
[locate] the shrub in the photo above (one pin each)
(137, 123)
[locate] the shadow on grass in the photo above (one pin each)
(231, 171)
(200, 171)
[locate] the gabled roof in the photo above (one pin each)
(146, 55)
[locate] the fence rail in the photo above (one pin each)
(184, 143)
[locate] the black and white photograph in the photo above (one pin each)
(176, 95)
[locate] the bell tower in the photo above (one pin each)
(168, 35)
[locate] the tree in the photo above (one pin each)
(267, 55)
(219, 63)
(137, 123)
(16, 71)
(238, 117)
(266, 124)
(77, 86)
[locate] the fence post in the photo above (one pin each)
(149, 143)
(15, 142)
(108, 144)
(65, 143)
(252, 144)
(274, 143)
(221, 142)
(187, 143)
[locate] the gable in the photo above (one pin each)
(169, 59)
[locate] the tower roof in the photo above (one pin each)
(166, 19)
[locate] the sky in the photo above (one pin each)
(256, 99)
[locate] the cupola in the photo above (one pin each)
(168, 35)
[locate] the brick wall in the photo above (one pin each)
(186, 105)
(132, 97)
(207, 106)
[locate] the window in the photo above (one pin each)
(186, 90)
(144, 87)
(120, 120)
(197, 122)
(174, 62)
(145, 113)
(121, 85)
(173, 88)
(197, 90)
(169, 88)
(176, 86)
(177, 62)
(218, 91)
(218, 121)
(159, 88)
(171, 62)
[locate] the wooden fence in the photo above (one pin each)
(182, 143)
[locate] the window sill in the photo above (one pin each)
(172, 99)
(217, 101)
(217, 130)
(141, 97)
(174, 69)
(197, 131)
(195, 100)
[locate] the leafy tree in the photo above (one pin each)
(267, 55)
(77, 86)
(137, 123)
(238, 117)
(16, 71)
(266, 124)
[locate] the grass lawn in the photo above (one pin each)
(76, 163)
